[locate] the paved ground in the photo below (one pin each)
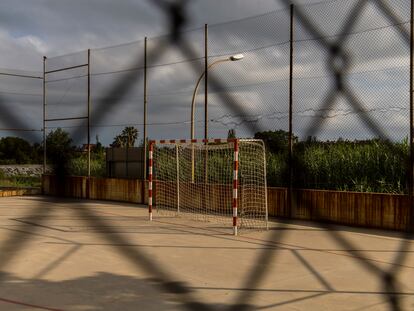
(84, 255)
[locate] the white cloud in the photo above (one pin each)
(22, 53)
(33, 43)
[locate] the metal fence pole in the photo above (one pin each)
(44, 115)
(205, 81)
(89, 113)
(88, 185)
(205, 115)
(290, 142)
(206, 100)
(411, 164)
(145, 109)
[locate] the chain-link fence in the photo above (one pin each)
(21, 94)
(285, 79)
(328, 86)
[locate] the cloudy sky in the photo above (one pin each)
(259, 29)
(32, 28)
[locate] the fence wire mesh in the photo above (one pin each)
(350, 94)
(196, 180)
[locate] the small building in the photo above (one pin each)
(125, 162)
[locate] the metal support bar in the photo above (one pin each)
(19, 130)
(20, 76)
(65, 119)
(67, 68)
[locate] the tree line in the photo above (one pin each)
(360, 165)
(16, 150)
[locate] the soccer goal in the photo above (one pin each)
(216, 180)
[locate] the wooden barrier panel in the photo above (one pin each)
(111, 189)
(19, 192)
(374, 210)
(125, 190)
(277, 202)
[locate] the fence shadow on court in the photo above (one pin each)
(338, 62)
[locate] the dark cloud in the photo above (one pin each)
(32, 28)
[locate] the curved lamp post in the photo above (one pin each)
(232, 58)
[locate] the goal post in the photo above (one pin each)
(235, 183)
(216, 180)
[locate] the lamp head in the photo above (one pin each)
(236, 57)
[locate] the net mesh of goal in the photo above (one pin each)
(197, 180)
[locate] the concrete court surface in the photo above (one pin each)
(60, 254)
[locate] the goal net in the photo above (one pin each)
(222, 181)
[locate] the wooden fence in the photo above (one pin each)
(375, 210)
(111, 189)
(14, 192)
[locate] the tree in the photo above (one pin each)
(276, 141)
(231, 134)
(37, 153)
(118, 142)
(59, 146)
(131, 134)
(127, 138)
(15, 150)
(99, 149)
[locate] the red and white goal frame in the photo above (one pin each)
(235, 176)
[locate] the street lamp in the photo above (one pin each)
(232, 58)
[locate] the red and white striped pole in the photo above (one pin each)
(151, 149)
(235, 184)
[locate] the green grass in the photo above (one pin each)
(21, 182)
(79, 166)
